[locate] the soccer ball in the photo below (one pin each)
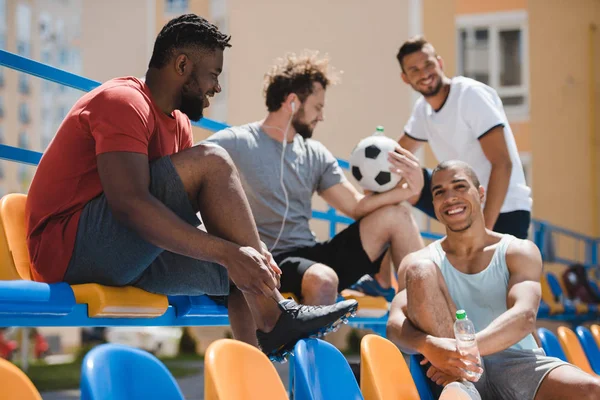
(370, 166)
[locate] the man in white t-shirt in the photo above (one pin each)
(463, 119)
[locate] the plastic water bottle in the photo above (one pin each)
(464, 332)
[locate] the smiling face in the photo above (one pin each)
(457, 199)
(423, 71)
(202, 82)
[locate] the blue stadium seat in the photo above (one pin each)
(113, 371)
(27, 299)
(196, 306)
(421, 380)
(589, 347)
(550, 344)
(322, 372)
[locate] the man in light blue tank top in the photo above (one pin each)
(496, 279)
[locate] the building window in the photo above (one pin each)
(24, 87)
(492, 48)
(23, 140)
(176, 6)
(24, 115)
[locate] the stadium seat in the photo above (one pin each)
(589, 346)
(322, 372)
(421, 380)
(15, 384)
(550, 344)
(559, 296)
(102, 301)
(113, 371)
(235, 370)
(573, 350)
(12, 215)
(548, 298)
(595, 329)
(383, 371)
(368, 306)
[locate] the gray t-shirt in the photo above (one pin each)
(308, 168)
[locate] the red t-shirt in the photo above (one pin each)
(120, 115)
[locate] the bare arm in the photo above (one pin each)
(347, 199)
(409, 143)
(523, 299)
(494, 147)
(442, 353)
(401, 331)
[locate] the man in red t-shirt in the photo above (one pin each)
(115, 198)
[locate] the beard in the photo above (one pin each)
(302, 128)
(432, 91)
(192, 104)
(461, 228)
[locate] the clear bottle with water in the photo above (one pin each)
(466, 342)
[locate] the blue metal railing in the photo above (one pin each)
(545, 235)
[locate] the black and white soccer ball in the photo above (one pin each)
(370, 166)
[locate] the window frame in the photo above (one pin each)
(496, 22)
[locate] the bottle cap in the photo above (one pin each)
(461, 314)
(379, 128)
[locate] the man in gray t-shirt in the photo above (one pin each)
(281, 205)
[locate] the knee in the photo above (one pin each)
(213, 153)
(393, 216)
(421, 273)
(320, 279)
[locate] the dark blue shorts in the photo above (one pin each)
(108, 253)
(514, 223)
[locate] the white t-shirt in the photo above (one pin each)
(471, 110)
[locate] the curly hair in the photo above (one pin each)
(183, 31)
(297, 74)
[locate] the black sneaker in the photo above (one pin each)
(298, 322)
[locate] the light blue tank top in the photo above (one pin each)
(481, 295)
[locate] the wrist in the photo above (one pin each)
(424, 343)
(225, 252)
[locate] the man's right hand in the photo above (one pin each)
(443, 354)
(251, 271)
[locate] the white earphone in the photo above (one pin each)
(293, 107)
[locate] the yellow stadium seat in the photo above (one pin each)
(235, 370)
(14, 253)
(595, 329)
(102, 301)
(573, 350)
(383, 371)
(368, 306)
(128, 301)
(15, 384)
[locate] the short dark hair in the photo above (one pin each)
(412, 45)
(184, 31)
(457, 164)
(296, 74)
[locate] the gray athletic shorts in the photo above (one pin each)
(515, 374)
(109, 253)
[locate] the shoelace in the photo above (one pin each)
(301, 309)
